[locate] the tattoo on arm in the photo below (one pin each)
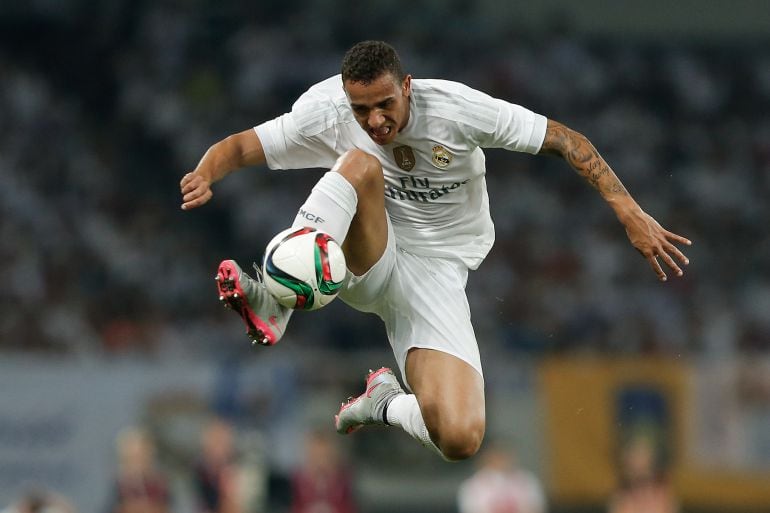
(578, 151)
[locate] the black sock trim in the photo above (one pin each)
(385, 414)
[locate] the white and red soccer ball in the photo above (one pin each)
(304, 268)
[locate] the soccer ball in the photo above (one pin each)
(304, 268)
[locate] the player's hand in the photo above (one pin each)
(196, 190)
(654, 242)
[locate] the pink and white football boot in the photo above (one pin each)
(265, 319)
(369, 407)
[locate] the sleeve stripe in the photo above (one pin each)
(314, 121)
(486, 121)
(449, 100)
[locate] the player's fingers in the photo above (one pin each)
(670, 262)
(185, 180)
(188, 188)
(188, 191)
(197, 201)
(670, 248)
(192, 183)
(199, 192)
(656, 267)
(192, 195)
(678, 238)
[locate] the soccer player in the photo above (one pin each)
(407, 196)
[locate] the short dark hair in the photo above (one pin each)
(368, 60)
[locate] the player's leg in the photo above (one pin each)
(450, 395)
(348, 203)
(445, 413)
(427, 319)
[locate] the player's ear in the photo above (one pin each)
(406, 85)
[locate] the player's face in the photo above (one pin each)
(381, 107)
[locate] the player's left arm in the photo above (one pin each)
(644, 232)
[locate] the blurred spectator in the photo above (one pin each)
(217, 475)
(40, 501)
(643, 482)
(140, 487)
(500, 485)
(322, 483)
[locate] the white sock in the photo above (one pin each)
(404, 411)
(330, 206)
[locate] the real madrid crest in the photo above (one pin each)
(404, 157)
(441, 157)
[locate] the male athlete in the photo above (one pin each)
(407, 196)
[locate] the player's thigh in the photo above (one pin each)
(367, 237)
(425, 306)
(367, 292)
(451, 396)
(429, 325)
(447, 382)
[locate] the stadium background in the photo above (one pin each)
(108, 314)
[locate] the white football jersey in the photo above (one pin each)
(435, 191)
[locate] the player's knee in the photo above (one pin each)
(459, 435)
(461, 443)
(362, 170)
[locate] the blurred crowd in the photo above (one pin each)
(105, 108)
(222, 473)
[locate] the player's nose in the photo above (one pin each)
(376, 120)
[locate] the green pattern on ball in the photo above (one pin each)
(325, 287)
(300, 289)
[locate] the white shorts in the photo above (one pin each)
(421, 300)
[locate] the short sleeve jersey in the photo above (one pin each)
(435, 190)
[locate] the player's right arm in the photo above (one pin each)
(234, 152)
